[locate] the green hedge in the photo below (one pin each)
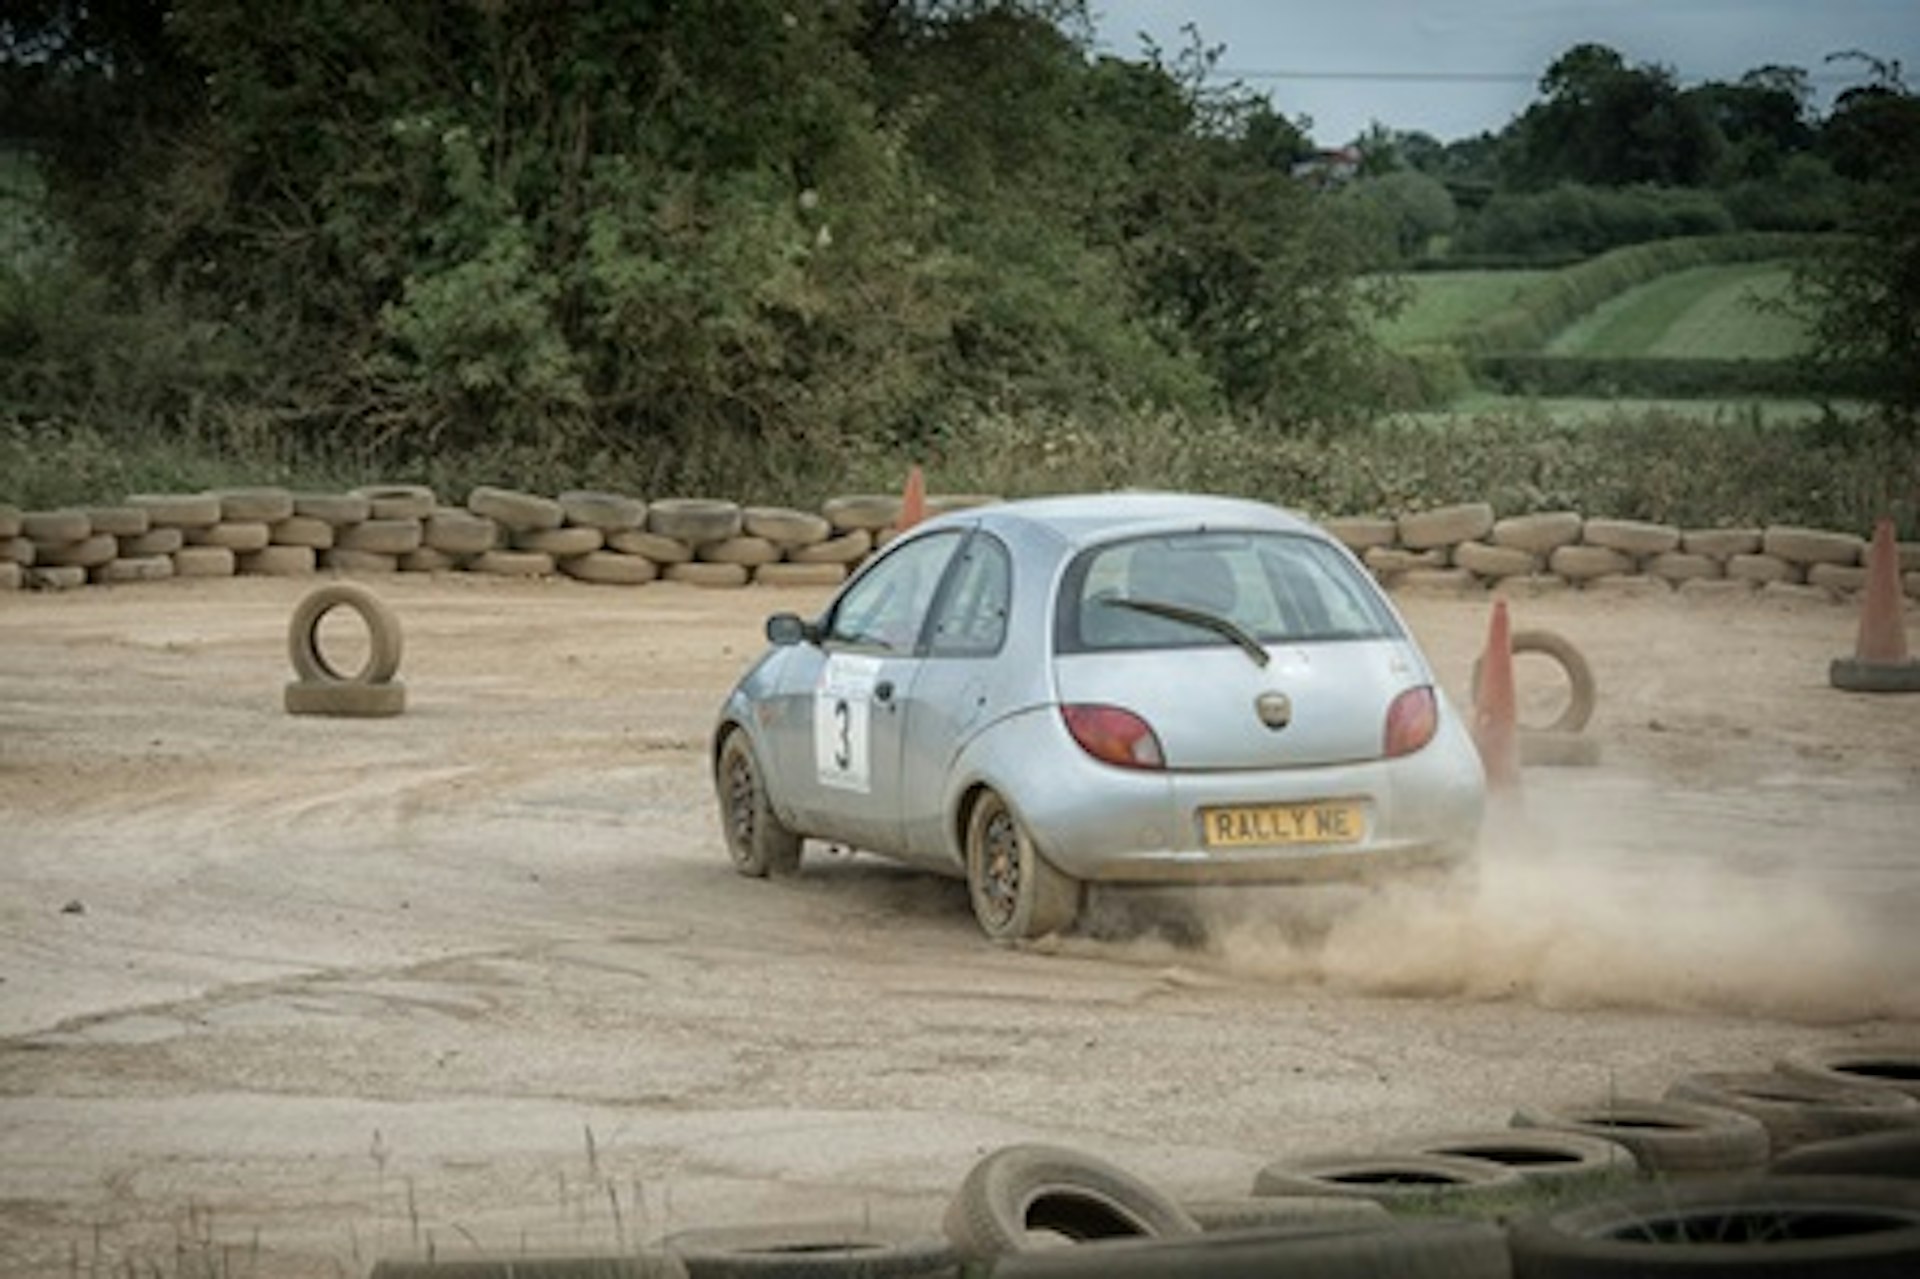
(1562, 376)
(1555, 302)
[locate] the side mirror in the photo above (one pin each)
(787, 629)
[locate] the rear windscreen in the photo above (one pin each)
(1273, 587)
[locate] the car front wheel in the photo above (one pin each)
(1016, 893)
(758, 842)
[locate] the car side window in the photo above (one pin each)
(886, 608)
(970, 619)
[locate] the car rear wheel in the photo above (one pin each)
(1016, 893)
(756, 840)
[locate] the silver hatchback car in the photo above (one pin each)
(1120, 688)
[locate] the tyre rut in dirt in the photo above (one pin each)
(1581, 692)
(1797, 1111)
(1016, 893)
(1874, 1154)
(1665, 1136)
(383, 635)
(807, 1250)
(757, 841)
(1021, 1189)
(1432, 1249)
(1430, 1180)
(1802, 1226)
(1889, 1066)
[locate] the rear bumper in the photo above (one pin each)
(1104, 824)
(1279, 866)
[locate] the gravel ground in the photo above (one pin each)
(281, 995)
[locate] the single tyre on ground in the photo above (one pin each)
(1420, 1249)
(1581, 690)
(1667, 1137)
(1015, 891)
(346, 701)
(757, 841)
(1432, 1180)
(1798, 1110)
(808, 1250)
(1812, 1227)
(1854, 676)
(1024, 1197)
(383, 635)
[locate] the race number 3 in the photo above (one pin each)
(842, 716)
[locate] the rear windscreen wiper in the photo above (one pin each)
(1194, 617)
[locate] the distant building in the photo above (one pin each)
(1326, 170)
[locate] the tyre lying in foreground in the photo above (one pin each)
(1125, 688)
(1803, 1226)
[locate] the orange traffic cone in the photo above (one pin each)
(913, 501)
(1495, 718)
(1879, 663)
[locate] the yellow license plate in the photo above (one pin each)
(1267, 825)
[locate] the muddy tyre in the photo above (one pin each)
(1015, 891)
(1803, 1226)
(757, 840)
(1019, 1190)
(383, 635)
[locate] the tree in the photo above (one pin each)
(1603, 123)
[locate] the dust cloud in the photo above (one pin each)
(1563, 926)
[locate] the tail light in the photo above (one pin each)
(1114, 736)
(1412, 721)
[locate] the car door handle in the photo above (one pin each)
(883, 691)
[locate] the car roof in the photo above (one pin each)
(1089, 518)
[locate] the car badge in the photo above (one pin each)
(1275, 709)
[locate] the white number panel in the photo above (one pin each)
(842, 717)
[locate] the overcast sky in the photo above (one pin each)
(1454, 68)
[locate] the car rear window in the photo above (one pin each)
(1275, 587)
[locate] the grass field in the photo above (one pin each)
(1714, 312)
(1444, 302)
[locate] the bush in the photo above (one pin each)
(1588, 220)
(1649, 378)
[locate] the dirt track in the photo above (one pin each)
(286, 994)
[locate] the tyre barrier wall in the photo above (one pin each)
(612, 539)
(1619, 1186)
